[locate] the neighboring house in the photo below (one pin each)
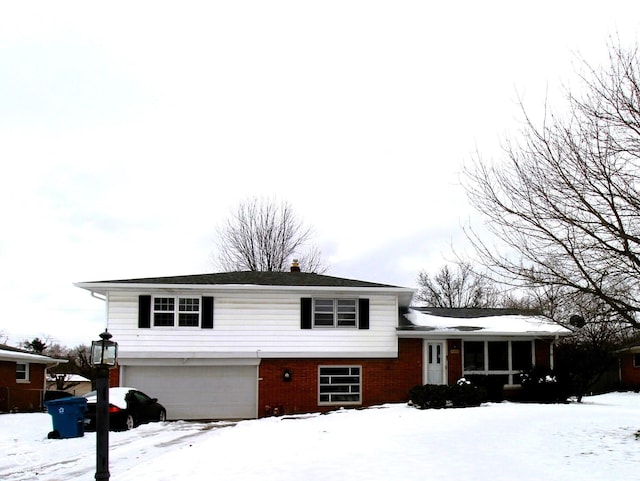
(629, 359)
(74, 384)
(251, 344)
(22, 379)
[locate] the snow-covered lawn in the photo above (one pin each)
(595, 440)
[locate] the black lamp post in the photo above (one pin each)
(104, 356)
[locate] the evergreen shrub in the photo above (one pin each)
(461, 394)
(542, 386)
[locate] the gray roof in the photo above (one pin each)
(259, 278)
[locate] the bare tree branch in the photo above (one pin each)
(461, 287)
(263, 235)
(565, 201)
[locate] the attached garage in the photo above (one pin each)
(198, 392)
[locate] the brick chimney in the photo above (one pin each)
(295, 267)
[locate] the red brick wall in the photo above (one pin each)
(629, 375)
(454, 360)
(383, 380)
(114, 377)
(21, 396)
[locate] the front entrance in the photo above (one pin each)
(434, 362)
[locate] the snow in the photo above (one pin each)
(68, 378)
(116, 396)
(593, 440)
(508, 324)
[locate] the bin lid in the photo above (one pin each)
(66, 400)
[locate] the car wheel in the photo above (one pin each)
(163, 415)
(129, 423)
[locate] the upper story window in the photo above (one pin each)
(322, 313)
(185, 311)
(22, 372)
(334, 312)
(175, 311)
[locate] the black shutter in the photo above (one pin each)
(207, 312)
(305, 313)
(144, 311)
(363, 313)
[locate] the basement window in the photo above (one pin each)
(339, 385)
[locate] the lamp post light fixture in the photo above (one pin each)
(104, 356)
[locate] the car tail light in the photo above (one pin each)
(114, 409)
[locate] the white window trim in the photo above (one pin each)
(335, 312)
(510, 372)
(176, 311)
(340, 403)
(26, 373)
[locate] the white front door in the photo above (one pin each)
(434, 360)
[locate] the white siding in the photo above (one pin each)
(253, 324)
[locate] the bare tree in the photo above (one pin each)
(565, 202)
(263, 235)
(459, 287)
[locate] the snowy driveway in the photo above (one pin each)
(26, 453)
(596, 440)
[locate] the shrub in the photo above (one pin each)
(464, 394)
(492, 385)
(429, 396)
(461, 394)
(541, 385)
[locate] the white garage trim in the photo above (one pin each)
(187, 361)
(198, 391)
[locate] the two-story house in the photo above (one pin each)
(250, 344)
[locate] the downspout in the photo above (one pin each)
(103, 299)
(552, 353)
(93, 294)
(619, 369)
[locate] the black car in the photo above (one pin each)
(128, 408)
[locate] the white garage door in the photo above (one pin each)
(198, 392)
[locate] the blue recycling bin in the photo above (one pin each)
(67, 416)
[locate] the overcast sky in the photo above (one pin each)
(129, 130)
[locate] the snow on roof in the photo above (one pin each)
(504, 325)
(8, 353)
